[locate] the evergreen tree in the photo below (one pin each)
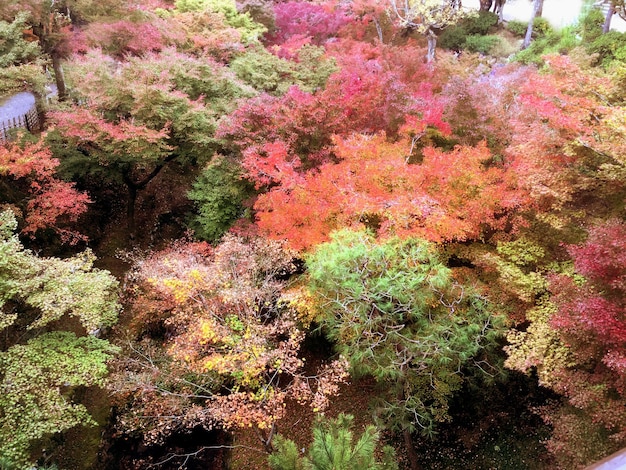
(333, 449)
(219, 194)
(394, 311)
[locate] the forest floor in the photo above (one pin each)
(508, 434)
(353, 398)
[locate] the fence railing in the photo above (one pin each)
(29, 121)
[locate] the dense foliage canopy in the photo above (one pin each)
(306, 211)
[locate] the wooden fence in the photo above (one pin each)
(29, 121)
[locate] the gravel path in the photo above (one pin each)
(16, 105)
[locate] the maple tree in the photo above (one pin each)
(203, 32)
(131, 148)
(295, 20)
(546, 128)
(230, 352)
(50, 22)
(32, 184)
(590, 321)
(370, 92)
(378, 87)
(219, 194)
(331, 120)
(575, 343)
(438, 196)
(308, 67)
(567, 161)
(15, 49)
(39, 367)
(141, 116)
(299, 122)
(242, 22)
(20, 56)
(285, 136)
(483, 106)
(121, 38)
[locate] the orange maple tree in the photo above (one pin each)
(393, 188)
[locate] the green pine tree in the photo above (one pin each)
(333, 448)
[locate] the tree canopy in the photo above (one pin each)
(39, 367)
(394, 310)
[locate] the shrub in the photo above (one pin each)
(609, 47)
(482, 44)
(518, 28)
(541, 27)
(267, 72)
(555, 42)
(567, 40)
(503, 48)
(14, 79)
(591, 25)
(453, 38)
(480, 24)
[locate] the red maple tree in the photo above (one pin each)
(49, 203)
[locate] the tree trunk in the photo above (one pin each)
(130, 208)
(537, 7)
(607, 19)
(266, 439)
(135, 186)
(379, 30)
(485, 5)
(59, 77)
(432, 44)
(500, 10)
(410, 450)
(406, 433)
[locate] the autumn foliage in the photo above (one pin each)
(588, 318)
(379, 184)
(51, 202)
(298, 20)
(232, 340)
(405, 211)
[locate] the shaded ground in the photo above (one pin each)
(197, 450)
(494, 427)
(297, 425)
